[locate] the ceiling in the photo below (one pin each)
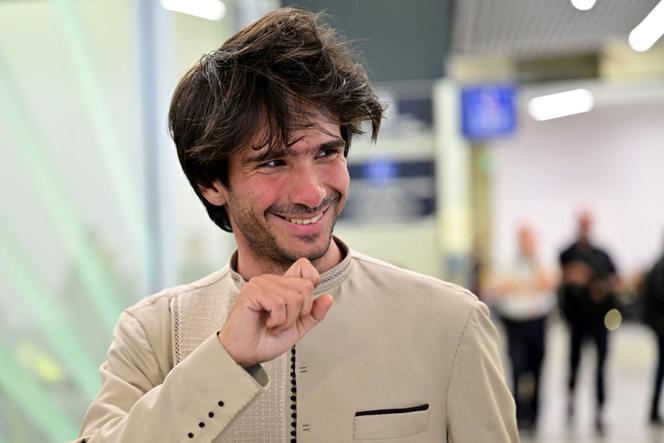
(397, 39)
(541, 28)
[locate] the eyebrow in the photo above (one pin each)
(336, 143)
(266, 155)
(274, 153)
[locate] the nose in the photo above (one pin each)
(306, 187)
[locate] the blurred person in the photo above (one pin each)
(653, 291)
(262, 127)
(586, 293)
(522, 296)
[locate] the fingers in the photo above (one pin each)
(272, 312)
(304, 278)
(307, 304)
(321, 307)
(303, 268)
(292, 301)
(319, 310)
(282, 300)
(277, 312)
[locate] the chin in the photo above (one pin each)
(312, 249)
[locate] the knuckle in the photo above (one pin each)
(305, 286)
(255, 279)
(252, 285)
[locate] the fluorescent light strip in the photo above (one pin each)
(63, 217)
(92, 91)
(207, 9)
(583, 5)
(646, 33)
(561, 104)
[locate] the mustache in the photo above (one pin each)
(300, 209)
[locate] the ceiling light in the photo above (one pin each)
(649, 30)
(561, 104)
(207, 9)
(583, 5)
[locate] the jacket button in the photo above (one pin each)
(201, 425)
(190, 435)
(220, 403)
(210, 414)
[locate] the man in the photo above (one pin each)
(587, 293)
(262, 127)
(522, 294)
(653, 292)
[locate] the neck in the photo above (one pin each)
(584, 241)
(251, 265)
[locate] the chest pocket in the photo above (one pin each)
(385, 424)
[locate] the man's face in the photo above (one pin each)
(585, 225)
(527, 241)
(283, 203)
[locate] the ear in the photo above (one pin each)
(215, 193)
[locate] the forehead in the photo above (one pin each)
(310, 133)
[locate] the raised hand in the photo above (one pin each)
(272, 313)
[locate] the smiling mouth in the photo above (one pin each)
(303, 221)
(306, 221)
(302, 215)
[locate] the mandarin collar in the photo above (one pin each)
(329, 279)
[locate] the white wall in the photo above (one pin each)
(610, 160)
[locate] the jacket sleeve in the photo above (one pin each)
(194, 402)
(480, 407)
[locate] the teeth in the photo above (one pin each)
(305, 221)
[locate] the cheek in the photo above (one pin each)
(264, 191)
(337, 177)
(344, 182)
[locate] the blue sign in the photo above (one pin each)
(488, 111)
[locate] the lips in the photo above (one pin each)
(301, 215)
(303, 221)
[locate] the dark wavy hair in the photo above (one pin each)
(264, 82)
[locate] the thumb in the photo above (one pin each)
(321, 307)
(302, 268)
(319, 310)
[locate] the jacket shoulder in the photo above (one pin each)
(156, 301)
(152, 317)
(411, 283)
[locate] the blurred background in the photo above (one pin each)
(95, 213)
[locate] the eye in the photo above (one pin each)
(329, 152)
(272, 164)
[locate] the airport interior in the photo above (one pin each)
(507, 121)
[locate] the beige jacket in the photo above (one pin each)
(400, 357)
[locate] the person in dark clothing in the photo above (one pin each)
(587, 293)
(653, 289)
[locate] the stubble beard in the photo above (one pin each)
(265, 246)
